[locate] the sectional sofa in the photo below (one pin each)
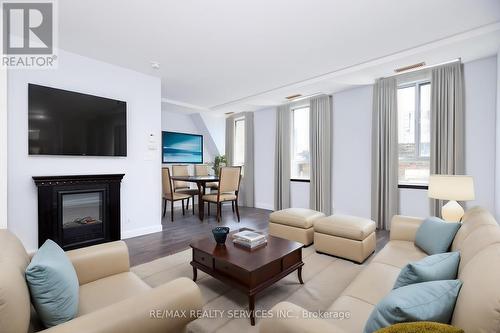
(477, 308)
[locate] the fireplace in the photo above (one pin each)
(78, 211)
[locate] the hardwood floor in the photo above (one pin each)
(177, 235)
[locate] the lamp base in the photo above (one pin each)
(452, 211)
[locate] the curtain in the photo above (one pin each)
(282, 158)
(247, 181)
(447, 124)
(229, 139)
(385, 194)
(320, 141)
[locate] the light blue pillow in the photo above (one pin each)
(53, 285)
(442, 266)
(426, 301)
(435, 235)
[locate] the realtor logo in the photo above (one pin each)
(28, 34)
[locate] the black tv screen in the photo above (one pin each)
(69, 123)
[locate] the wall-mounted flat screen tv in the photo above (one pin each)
(69, 123)
(182, 148)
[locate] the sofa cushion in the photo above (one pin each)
(474, 218)
(442, 266)
(109, 290)
(427, 301)
(358, 310)
(14, 295)
(435, 236)
(399, 253)
(295, 217)
(351, 227)
(478, 304)
(53, 285)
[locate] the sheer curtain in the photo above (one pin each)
(282, 158)
(320, 141)
(447, 124)
(385, 195)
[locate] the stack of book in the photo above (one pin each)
(249, 239)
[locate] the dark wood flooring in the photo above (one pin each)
(176, 236)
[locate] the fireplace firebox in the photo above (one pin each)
(78, 211)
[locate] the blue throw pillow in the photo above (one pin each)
(443, 266)
(435, 235)
(53, 285)
(427, 301)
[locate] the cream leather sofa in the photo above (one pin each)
(112, 299)
(478, 305)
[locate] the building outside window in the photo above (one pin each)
(414, 137)
(239, 142)
(300, 159)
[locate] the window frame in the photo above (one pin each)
(292, 110)
(235, 120)
(418, 154)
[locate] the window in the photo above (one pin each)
(239, 142)
(300, 159)
(414, 137)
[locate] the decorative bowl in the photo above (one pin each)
(220, 234)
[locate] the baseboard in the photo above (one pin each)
(141, 231)
(264, 206)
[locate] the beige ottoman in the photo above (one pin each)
(345, 236)
(294, 224)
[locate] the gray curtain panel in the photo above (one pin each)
(385, 194)
(248, 183)
(320, 141)
(282, 158)
(447, 124)
(229, 139)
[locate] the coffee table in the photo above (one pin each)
(250, 271)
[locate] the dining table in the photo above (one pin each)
(201, 182)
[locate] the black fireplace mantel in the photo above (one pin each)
(54, 193)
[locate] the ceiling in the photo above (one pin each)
(227, 55)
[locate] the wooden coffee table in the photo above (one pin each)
(250, 271)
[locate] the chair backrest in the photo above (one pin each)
(201, 169)
(15, 303)
(180, 170)
(478, 240)
(229, 179)
(165, 181)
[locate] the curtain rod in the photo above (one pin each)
(423, 68)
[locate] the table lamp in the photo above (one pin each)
(453, 188)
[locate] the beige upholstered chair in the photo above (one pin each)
(229, 185)
(170, 195)
(112, 298)
(183, 187)
(203, 170)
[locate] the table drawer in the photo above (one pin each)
(233, 271)
(203, 258)
(292, 259)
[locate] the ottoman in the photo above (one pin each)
(345, 236)
(294, 224)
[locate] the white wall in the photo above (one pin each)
(264, 138)
(141, 186)
(351, 166)
(480, 108)
(497, 151)
(3, 147)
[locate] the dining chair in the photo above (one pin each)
(181, 186)
(170, 195)
(229, 186)
(204, 170)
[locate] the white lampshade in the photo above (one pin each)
(451, 187)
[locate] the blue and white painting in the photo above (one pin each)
(182, 148)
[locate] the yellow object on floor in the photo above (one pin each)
(420, 327)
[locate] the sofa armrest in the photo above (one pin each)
(99, 261)
(167, 308)
(405, 227)
(289, 318)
